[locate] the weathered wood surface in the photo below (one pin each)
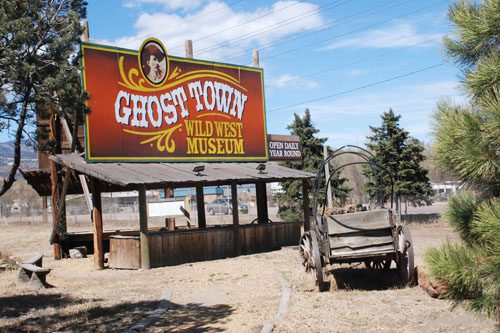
(360, 221)
(362, 234)
(143, 222)
(174, 248)
(34, 268)
(32, 272)
(36, 260)
(124, 252)
(358, 242)
(364, 252)
(98, 243)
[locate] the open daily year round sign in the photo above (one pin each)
(148, 106)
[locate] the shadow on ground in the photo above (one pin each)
(57, 312)
(364, 279)
(20, 305)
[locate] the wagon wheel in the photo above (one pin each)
(384, 264)
(309, 250)
(406, 268)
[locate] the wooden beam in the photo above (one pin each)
(306, 202)
(97, 220)
(45, 210)
(143, 221)
(55, 179)
(85, 32)
(86, 192)
(200, 206)
(236, 220)
(169, 221)
(188, 48)
(261, 193)
(55, 199)
(256, 58)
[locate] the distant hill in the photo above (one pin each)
(29, 157)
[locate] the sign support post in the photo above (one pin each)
(143, 221)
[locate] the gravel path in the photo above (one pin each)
(235, 294)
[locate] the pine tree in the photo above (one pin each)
(312, 151)
(398, 157)
(39, 68)
(467, 140)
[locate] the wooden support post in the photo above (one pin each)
(45, 210)
(55, 198)
(169, 221)
(255, 58)
(143, 221)
(261, 192)
(200, 206)
(85, 32)
(188, 47)
(86, 192)
(98, 228)
(55, 179)
(306, 202)
(236, 220)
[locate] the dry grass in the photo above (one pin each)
(8, 262)
(235, 294)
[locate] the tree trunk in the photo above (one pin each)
(17, 144)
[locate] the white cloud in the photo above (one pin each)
(218, 30)
(169, 4)
(399, 35)
(288, 81)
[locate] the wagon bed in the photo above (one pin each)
(359, 235)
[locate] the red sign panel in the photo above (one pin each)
(148, 106)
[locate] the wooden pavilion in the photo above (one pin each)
(145, 248)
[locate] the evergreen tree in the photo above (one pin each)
(467, 140)
(399, 157)
(38, 66)
(312, 153)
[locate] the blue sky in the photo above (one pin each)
(348, 61)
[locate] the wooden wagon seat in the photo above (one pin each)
(361, 234)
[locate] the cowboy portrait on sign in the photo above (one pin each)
(153, 62)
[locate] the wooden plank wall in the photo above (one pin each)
(174, 248)
(124, 252)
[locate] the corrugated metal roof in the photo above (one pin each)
(159, 175)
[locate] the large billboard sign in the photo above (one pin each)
(148, 106)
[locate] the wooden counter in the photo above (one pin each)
(182, 246)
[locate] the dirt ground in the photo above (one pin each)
(236, 294)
